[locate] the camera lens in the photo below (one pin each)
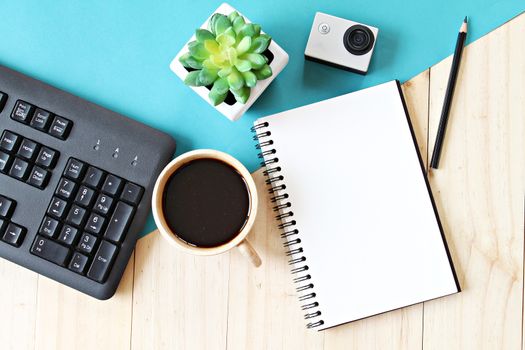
(358, 39)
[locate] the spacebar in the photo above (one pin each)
(50, 250)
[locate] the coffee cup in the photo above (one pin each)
(205, 203)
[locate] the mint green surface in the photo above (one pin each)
(116, 54)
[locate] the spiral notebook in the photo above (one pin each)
(354, 206)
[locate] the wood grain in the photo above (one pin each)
(417, 100)
(180, 301)
(170, 300)
(18, 294)
(67, 319)
(480, 190)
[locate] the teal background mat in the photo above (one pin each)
(117, 53)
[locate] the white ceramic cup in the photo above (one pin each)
(239, 240)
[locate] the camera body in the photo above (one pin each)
(341, 43)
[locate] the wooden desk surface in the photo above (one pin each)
(173, 301)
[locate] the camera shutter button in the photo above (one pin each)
(324, 28)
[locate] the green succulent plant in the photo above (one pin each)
(229, 56)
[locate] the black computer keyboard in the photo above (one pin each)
(75, 184)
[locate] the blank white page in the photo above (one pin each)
(360, 200)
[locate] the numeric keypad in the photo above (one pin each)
(87, 220)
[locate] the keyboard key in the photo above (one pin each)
(28, 149)
(68, 235)
(74, 169)
(102, 261)
(9, 141)
(41, 120)
(5, 162)
(22, 112)
(112, 185)
(87, 243)
(38, 177)
(3, 224)
(3, 100)
(19, 169)
(85, 196)
(132, 193)
(47, 158)
(103, 204)
(78, 263)
(7, 206)
(76, 216)
(57, 208)
(66, 188)
(120, 221)
(49, 250)
(94, 224)
(93, 177)
(49, 227)
(14, 234)
(60, 127)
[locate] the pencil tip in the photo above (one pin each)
(464, 24)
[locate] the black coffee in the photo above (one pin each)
(206, 203)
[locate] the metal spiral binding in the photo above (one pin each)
(292, 241)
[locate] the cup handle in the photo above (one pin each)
(247, 250)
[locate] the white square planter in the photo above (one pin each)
(235, 111)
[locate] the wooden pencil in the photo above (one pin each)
(436, 154)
